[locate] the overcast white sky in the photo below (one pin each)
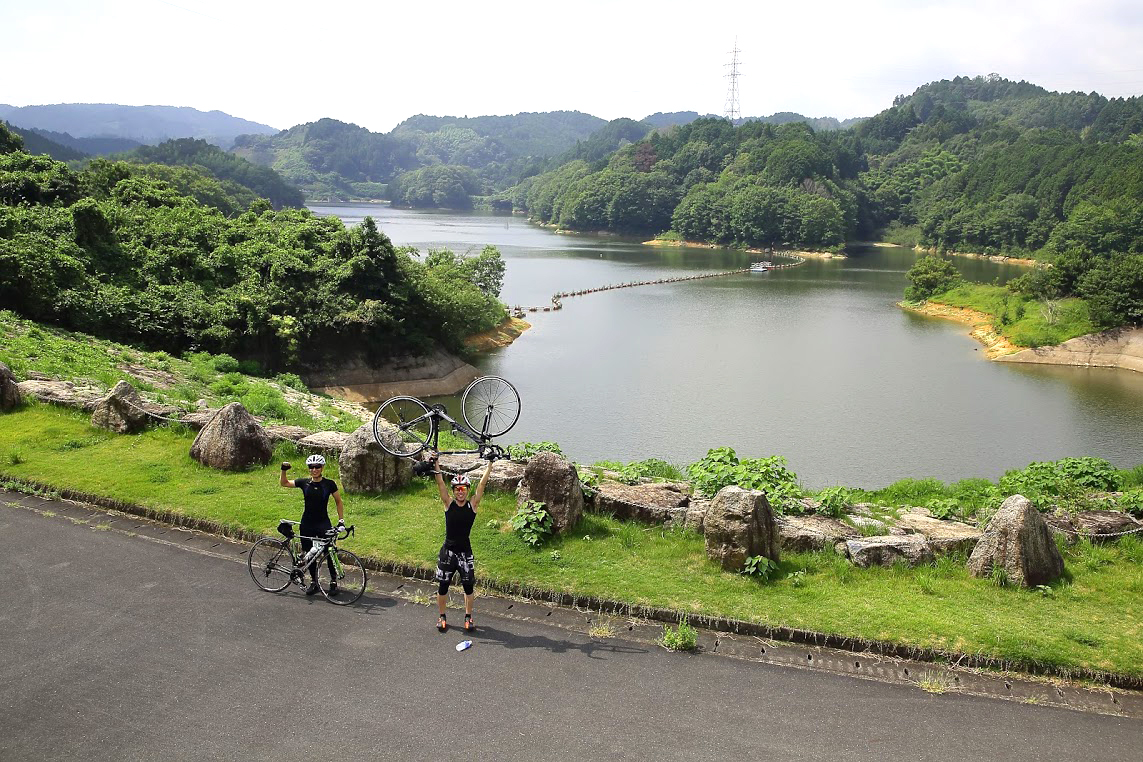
(375, 63)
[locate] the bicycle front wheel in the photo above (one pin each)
(490, 405)
(271, 564)
(403, 426)
(347, 573)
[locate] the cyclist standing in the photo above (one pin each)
(456, 553)
(316, 492)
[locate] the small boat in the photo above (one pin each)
(761, 267)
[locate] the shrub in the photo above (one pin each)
(943, 507)
(533, 523)
(292, 380)
(759, 566)
(834, 501)
(267, 401)
(1131, 501)
(682, 638)
(1068, 478)
(721, 468)
(525, 450)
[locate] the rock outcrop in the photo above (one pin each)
(1098, 526)
(1018, 542)
(330, 441)
(813, 532)
(550, 479)
(886, 550)
(942, 535)
(654, 503)
(10, 397)
(366, 467)
(120, 411)
(1116, 348)
(67, 393)
(232, 441)
(738, 525)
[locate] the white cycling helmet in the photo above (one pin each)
(460, 480)
(315, 460)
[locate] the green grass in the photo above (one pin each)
(1020, 319)
(937, 607)
(26, 345)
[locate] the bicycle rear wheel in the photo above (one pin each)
(348, 573)
(403, 426)
(490, 405)
(271, 564)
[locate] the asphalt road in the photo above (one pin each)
(119, 647)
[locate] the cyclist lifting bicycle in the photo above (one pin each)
(456, 552)
(316, 492)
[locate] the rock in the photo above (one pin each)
(943, 536)
(1018, 541)
(159, 378)
(232, 441)
(738, 525)
(365, 467)
(813, 532)
(120, 411)
(1099, 524)
(330, 441)
(885, 550)
(292, 433)
(10, 396)
(1061, 525)
(651, 503)
(506, 476)
(550, 479)
(201, 404)
(695, 517)
(197, 419)
(66, 393)
(877, 525)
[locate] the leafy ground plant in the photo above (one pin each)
(760, 567)
(682, 638)
(533, 523)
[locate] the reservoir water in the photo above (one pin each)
(816, 363)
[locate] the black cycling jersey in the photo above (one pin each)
(458, 526)
(316, 494)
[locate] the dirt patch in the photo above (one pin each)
(995, 345)
(500, 336)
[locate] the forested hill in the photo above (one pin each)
(673, 118)
(333, 158)
(145, 124)
(119, 254)
(258, 181)
(36, 143)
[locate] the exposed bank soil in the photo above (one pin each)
(498, 337)
(995, 345)
(990, 257)
(700, 245)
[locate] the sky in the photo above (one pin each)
(376, 63)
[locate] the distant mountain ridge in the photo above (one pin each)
(143, 124)
(672, 118)
(37, 144)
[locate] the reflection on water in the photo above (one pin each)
(815, 363)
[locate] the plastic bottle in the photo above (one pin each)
(463, 645)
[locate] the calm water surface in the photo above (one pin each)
(815, 363)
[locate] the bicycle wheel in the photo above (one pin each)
(350, 577)
(490, 405)
(270, 564)
(403, 426)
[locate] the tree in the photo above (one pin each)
(930, 276)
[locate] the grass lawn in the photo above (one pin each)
(1023, 321)
(1093, 619)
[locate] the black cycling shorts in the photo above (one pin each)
(450, 562)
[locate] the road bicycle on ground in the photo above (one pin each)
(404, 426)
(274, 563)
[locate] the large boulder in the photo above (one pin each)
(695, 517)
(329, 441)
(366, 467)
(1102, 526)
(552, 480)
(739, 524)
(886, 550)
(10, 397)
(943, 536)
(813, 532)
(120, 411)
(232, 441)
(80, 395)
(654, 503)
(1018, 541)
(505, 476)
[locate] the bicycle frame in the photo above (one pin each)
(437, 414)
(293, 543)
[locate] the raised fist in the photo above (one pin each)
(285, 465)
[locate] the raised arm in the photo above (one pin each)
(340, 507)
(284, 481)
(440, 481)
(480, 487)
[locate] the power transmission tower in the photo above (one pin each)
(733, 112)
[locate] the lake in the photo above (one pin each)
(816, 363)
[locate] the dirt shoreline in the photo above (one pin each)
(791, 253)
(990, 257)
(995, 345)
(498, 337)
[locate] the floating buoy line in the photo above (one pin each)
(559, 296)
